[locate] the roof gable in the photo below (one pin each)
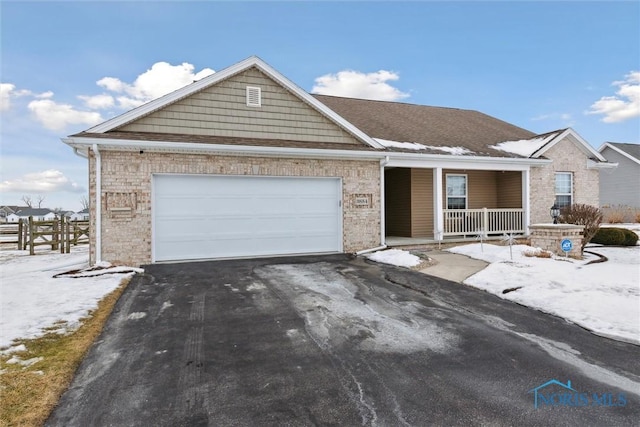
(630, 151)
(573, 136)
(226, 84)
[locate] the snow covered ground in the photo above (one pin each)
(31, 299)
(602, 297)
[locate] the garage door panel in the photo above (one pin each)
(203, 216)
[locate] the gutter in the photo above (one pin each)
(174, 146)
(366, 251)
(98, 203)
(383, 163)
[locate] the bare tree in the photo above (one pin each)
(40, 200)
(85, 202)
(27, 200)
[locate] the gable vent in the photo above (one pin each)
(254, 98)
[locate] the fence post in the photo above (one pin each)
(20, 235)
(68, 248)
(61, 234)
(485, 221)
(31, 239)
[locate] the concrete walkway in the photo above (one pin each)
(451, 266)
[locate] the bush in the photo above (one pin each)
(613, 236)
(588, 216)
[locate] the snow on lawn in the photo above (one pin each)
(31, 299)
(395, 257)
(602, 297)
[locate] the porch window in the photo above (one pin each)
(456, 191)
(564, 189)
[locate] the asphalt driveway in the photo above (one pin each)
(336, 340)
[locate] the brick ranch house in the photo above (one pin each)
(246, 163)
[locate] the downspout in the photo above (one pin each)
(98, 204)
(383, 163)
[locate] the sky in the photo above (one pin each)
(67, 66)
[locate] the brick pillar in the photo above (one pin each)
(549, 237)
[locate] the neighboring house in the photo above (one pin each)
(7, 210)
(245, 163)
(621, 186)
(82, 215)
(38, 214)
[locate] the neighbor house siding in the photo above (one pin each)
(566, 157)
(127, 192)
(509, 189)
(620, 186)
(221, 110)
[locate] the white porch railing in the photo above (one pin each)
(461, 222)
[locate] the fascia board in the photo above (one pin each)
(600, 165)
(619, 151)
(586, 147)
(202, 84)
(195, 147)
(395, 159)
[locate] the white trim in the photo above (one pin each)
(526, 200)
(383, 218)
(409, 160)
(597, 165)
(555, 193)
(215, 78)
(438, 218)
(98, 159)
(619, 151)
(584, 145)
(466, 189)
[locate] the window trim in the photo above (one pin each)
(466, 190)
(555, 192)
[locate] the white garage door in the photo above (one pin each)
(204, 216)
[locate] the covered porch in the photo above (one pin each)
(425, 205)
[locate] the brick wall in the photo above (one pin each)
(126, 195)
(567, 157)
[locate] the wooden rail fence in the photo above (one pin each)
(60, 234)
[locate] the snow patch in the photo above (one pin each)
(523, 147)
(395, 257)
(137, 315)
(256, 287)
(14, 349)
(602, 297)
(456, 151)
(25, 363)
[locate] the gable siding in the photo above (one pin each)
(221, 110)
(620, 186)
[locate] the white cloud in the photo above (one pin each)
(5, 96)
(98, 102)
(157, 81)
(47, 181)
(355, 84)
(622, 106)
(56, 116)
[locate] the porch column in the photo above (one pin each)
(526, 211)
(438, 214)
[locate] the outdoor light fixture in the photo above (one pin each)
(555, 213)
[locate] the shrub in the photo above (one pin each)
(637, 217)
(614, 217)
(613, 236)
(588, 216)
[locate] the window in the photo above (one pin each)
(564, 189)
(254, 96)
(456, 191)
